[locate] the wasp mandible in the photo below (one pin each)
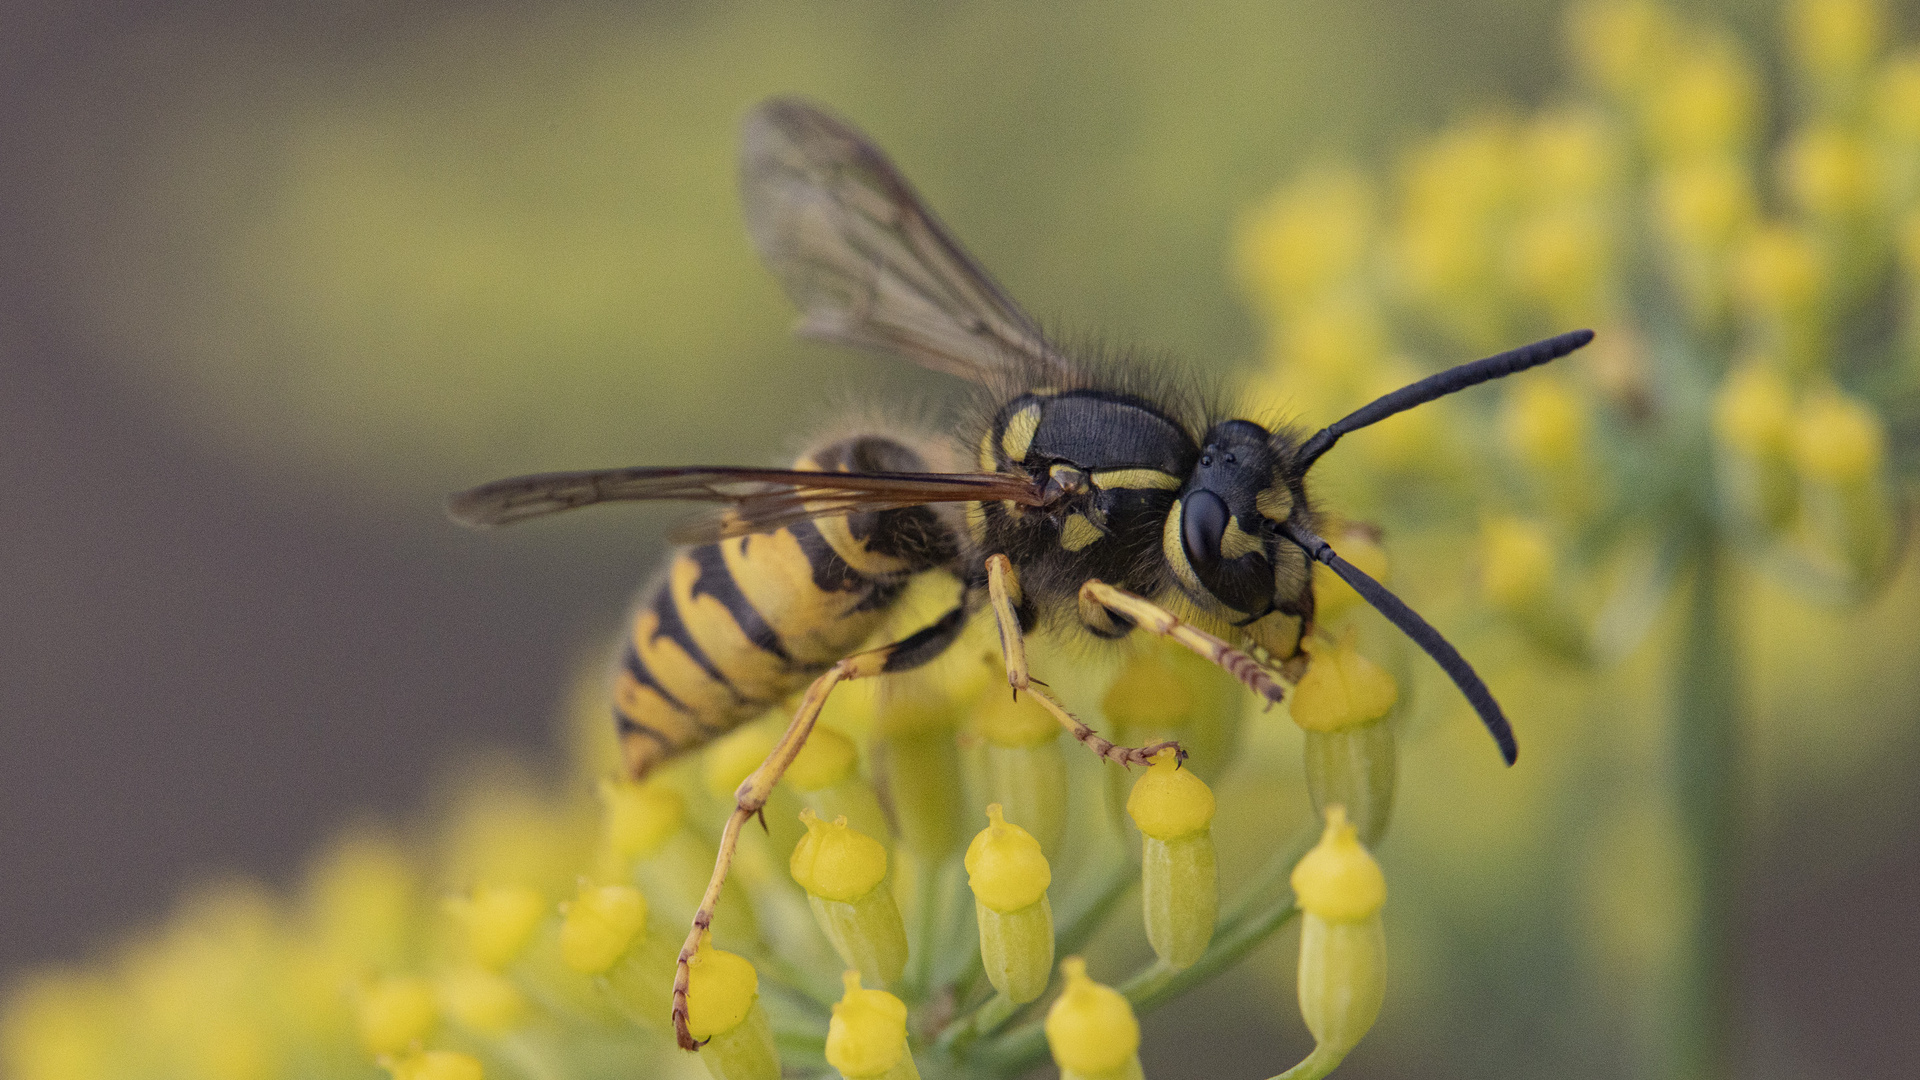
(1105, 499)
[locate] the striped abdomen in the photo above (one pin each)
(736, 626)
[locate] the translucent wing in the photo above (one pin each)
(757, 500)
(866, 263)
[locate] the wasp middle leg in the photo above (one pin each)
(1101, 600)
(1003, 592)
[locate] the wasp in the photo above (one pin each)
(1087, 496)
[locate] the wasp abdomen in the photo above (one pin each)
(734, 627)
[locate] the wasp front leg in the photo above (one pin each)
(1003, 592)
(1101, 601)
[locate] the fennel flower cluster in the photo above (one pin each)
(1748, 252)
(923, 900)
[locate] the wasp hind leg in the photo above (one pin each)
(751, 797)
(1102, 604)
(1003, 592)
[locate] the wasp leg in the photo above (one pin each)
(751, 797)
(1003, 590)
(1159, 620)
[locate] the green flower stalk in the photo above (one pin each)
(1091, 1029)
(867, 1037)
(844, 872)
(1179, 883)
(1024, 768)
(1009, 877)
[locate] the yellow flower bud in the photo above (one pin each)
(1517, 563)
(722, 988)
(482, 1001)
(1778, 271)
(1009, 877)
(395, 1013)
(842, 871)
(640, 818)
(435, 1065)
(867, 1037)
(828, 758)
(1623, 44)
(1703, 206)
(1834, 39)
(600, 925)
(1005, 867)
(729, 760)
(1545, 423)
(1706, 105)
(1332, 596)
(1338, 880)
(836, 862)
(1341, 688)
(500, 920)
(1828, 172)
(1752, 411)
(1838, 440)
(1091, 1028)
(1179, 880)
(1169, 802)
(724, 1011)
(1897, 99)
(1342, 973)
(1006, 721)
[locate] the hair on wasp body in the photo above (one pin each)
(1094, 497)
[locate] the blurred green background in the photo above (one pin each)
(277, 277)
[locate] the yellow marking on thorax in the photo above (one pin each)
(1017, 436)
(1136, 479)
(988, 461)
(1274, 503)
(1236, 542)
(976, 514)
(1078, 533)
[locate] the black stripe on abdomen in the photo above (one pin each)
(716, 580)
(674, 629)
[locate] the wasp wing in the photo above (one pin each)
(865, 261)
(756, 500)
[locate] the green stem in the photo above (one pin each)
(1315, 1065)
(1704, 789)
(985, 1020)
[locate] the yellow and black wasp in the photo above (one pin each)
(1105, 497)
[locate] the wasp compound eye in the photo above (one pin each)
(1203, 523)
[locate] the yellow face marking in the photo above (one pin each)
(1274, 503)
(1017, 436)
(1175, 553)
(1236, 542)
(1147, 479)
(1078, 533)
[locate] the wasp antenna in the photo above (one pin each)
(1439, 386)
(1421, 631)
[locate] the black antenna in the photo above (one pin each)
(1439, 386)
(1417, 628)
